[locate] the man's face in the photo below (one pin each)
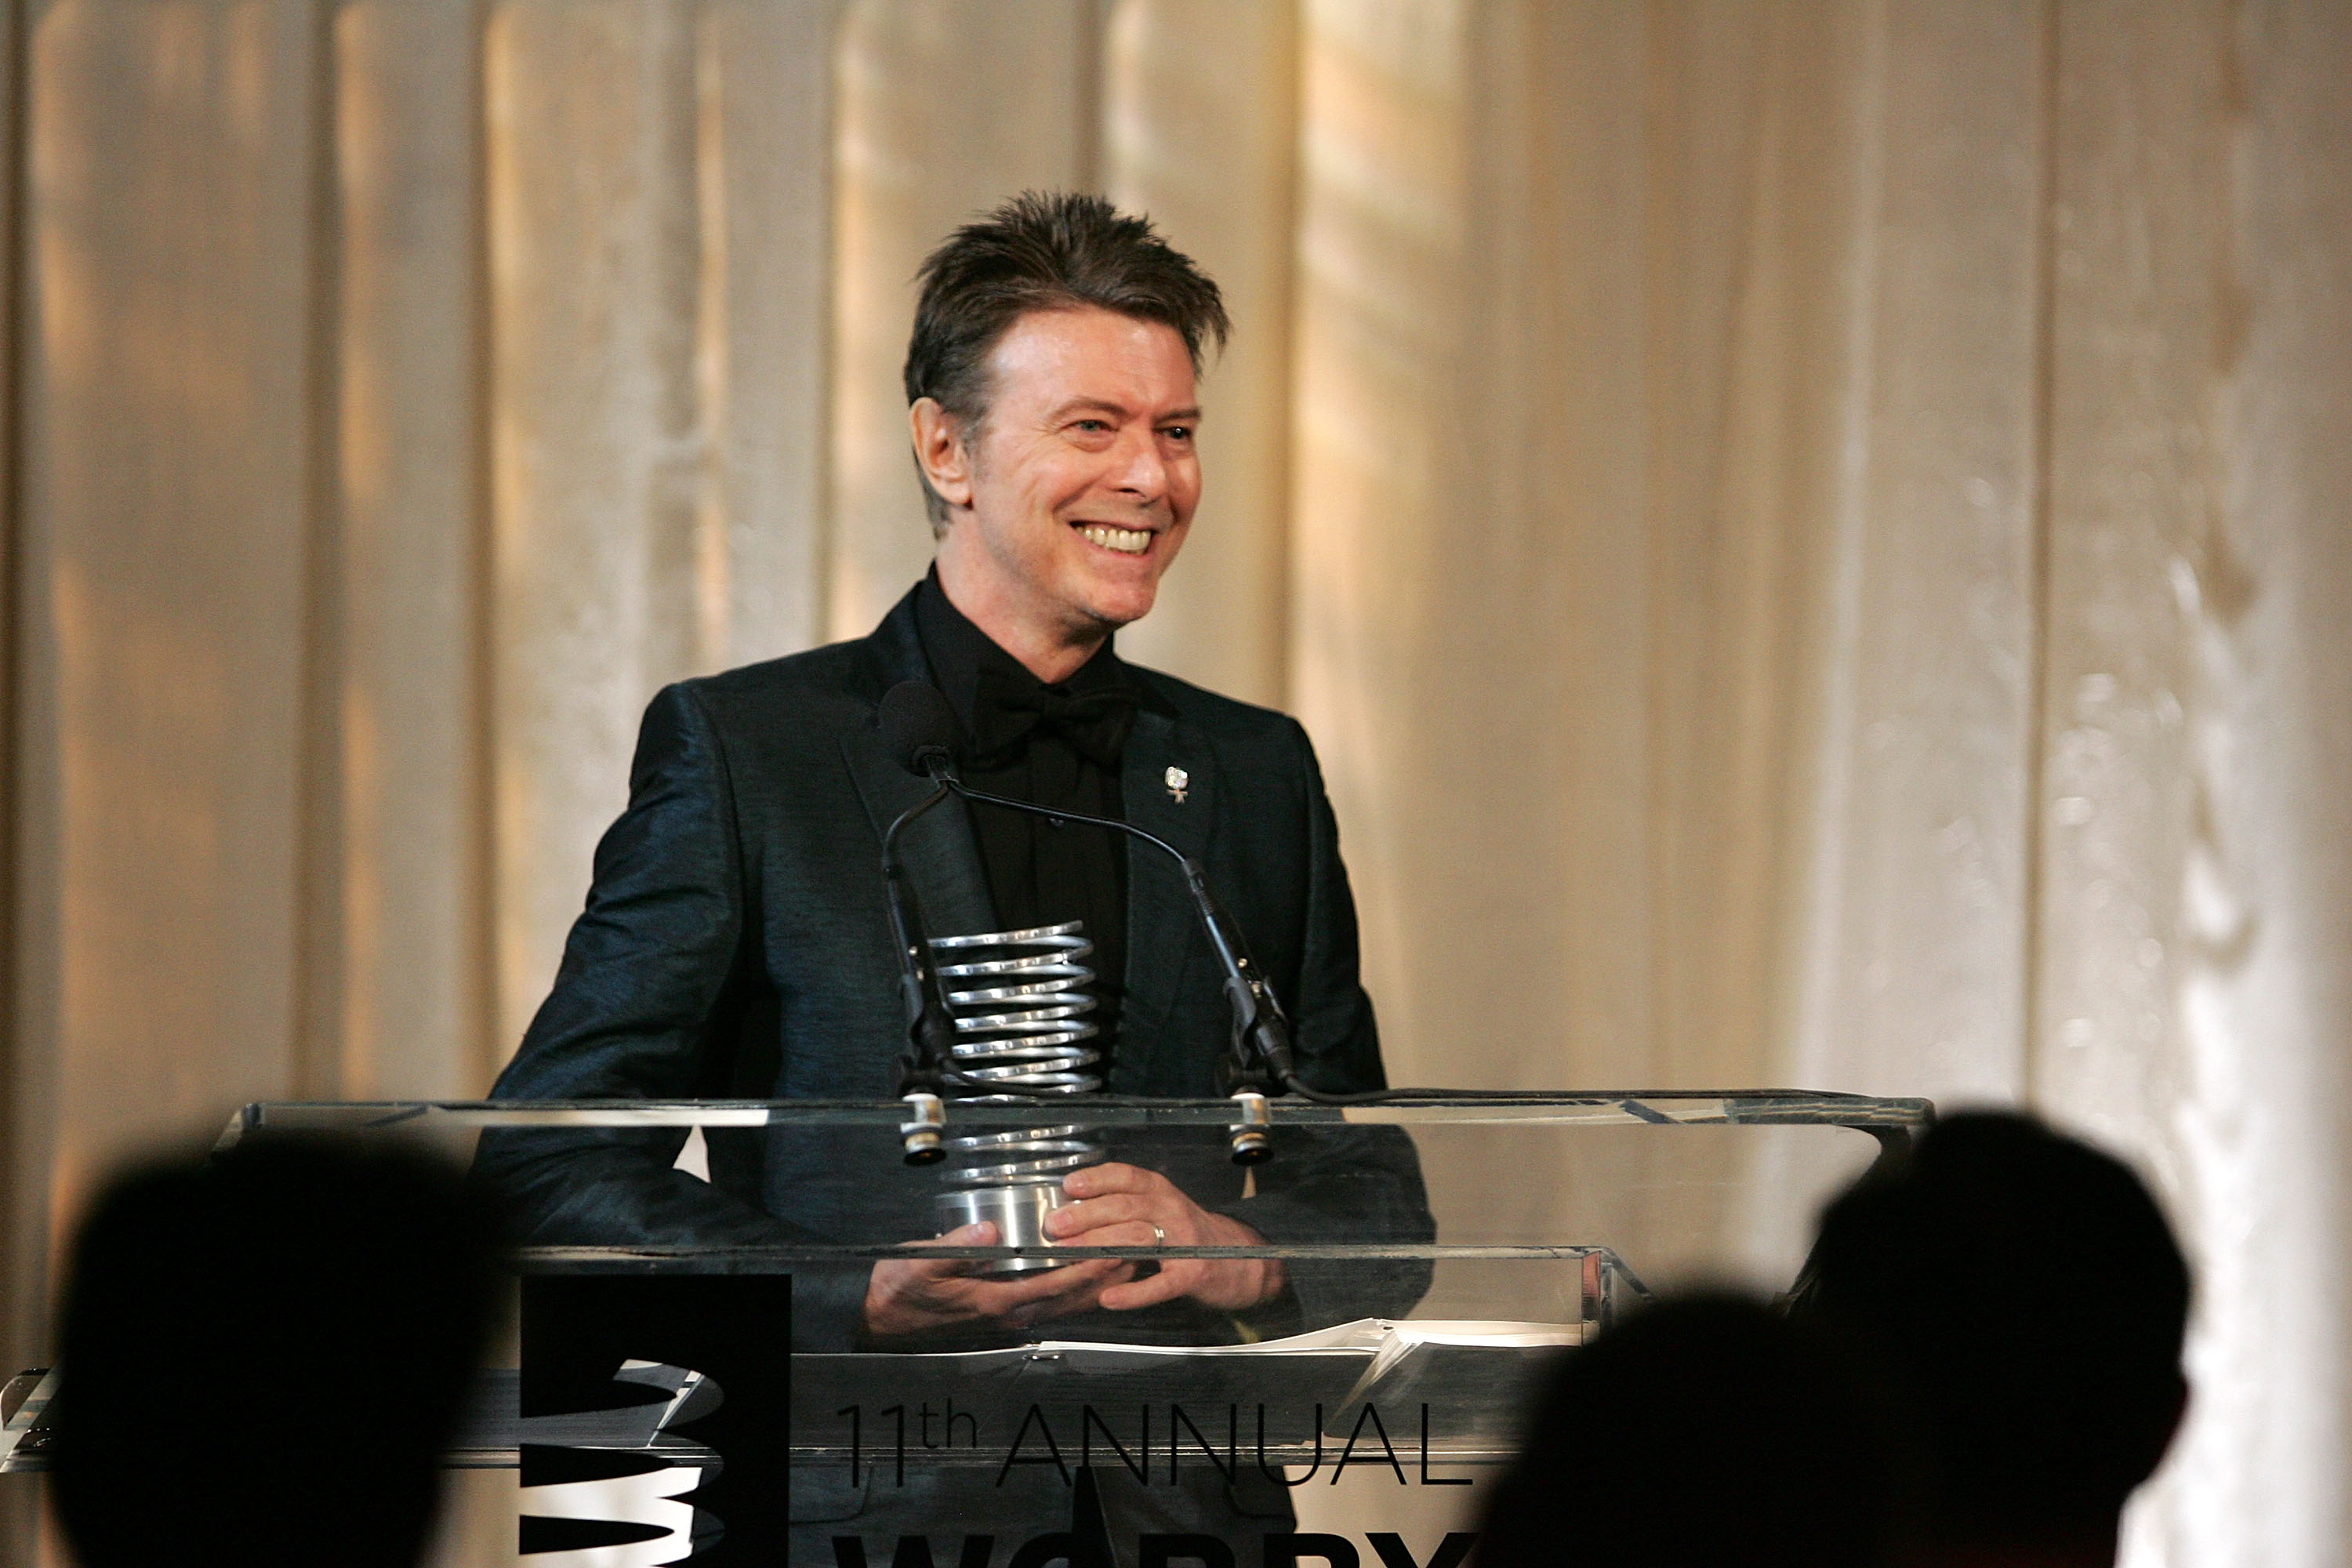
(1081, 479)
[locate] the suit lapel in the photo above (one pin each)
(1162, 931)
(939, 851)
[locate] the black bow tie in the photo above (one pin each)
(1008, 706)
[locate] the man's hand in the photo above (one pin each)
(1119, 1204)
(907, 1297)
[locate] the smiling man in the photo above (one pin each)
(736, 941)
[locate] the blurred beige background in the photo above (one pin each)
(1815, 540)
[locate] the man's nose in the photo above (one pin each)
(1142, 472)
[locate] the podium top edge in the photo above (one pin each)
(1754, 1107)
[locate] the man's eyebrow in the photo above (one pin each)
(1189, 416)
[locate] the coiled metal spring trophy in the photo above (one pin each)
(1020, 999)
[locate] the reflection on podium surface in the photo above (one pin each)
(1423, 1262)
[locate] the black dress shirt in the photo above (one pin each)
(1057, 746)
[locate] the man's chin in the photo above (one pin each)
(1110, 607)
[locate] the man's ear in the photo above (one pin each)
(939, 451)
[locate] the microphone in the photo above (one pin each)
(920, 730)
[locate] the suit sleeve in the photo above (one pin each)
(1339, 1184)
(1338, 1043)
(652, 975)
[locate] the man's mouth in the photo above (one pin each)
(1126, 540)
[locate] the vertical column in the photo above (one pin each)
(1845, 560)
(601, 553)
(1565, 305)
(162, 543)
(1751, 203)
(20, 1233)
(1383, 136)
(1572, 333)
(2144, 1024)
(1199, 131)
(2139, 222)
(763, 170)
(2196, 890)
(398, 955)
(658, 320)
(946, 109)
(2266, 999)
(1915, 831)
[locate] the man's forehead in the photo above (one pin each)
(1066, 360)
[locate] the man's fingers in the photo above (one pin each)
(1071, 1287)
(1119, 1205)
(982, 1233)
(1101, 1181)
(915, 1292)
(1079, 1290)
(1093, 1214)
(995, 1297)
(1173, 1280)
(1070, 1278)
(1136, 1230)
(979, 1233)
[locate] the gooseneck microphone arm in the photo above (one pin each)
(1262, 1056)
(1261, 1063)
(927, 1062)
(920, 730)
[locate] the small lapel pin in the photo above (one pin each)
(1178, 780)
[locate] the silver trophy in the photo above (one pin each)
(1021, 1001)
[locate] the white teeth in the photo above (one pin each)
(1126, 540)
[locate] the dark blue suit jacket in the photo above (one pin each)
(737, 943)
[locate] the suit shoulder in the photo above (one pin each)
(819, 676)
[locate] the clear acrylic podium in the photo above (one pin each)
(1435, 1256)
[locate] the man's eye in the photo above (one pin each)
(1091, 427)
(1178, 432)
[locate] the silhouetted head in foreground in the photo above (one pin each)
(263, 1357)
(2027, 1298)
(1699, 1433)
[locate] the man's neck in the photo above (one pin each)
(1051, 652)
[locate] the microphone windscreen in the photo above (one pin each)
(916, 720)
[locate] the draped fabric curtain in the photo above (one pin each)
(1812, 540)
